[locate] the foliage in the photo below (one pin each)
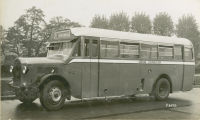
(59, 23)
(26, 34)
(141, 23)
(99, 22)
(119, 21)
(187, 28)
(163, 24)
(4, 42)
(30, 32)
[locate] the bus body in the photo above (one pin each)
(93, 62)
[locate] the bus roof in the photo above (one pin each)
(128, 36)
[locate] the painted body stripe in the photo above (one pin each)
(130, 61)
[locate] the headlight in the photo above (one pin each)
(24, 70)
(11, 68)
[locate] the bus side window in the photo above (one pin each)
(178, 52)
(94, 48)
(154, 52)
(87, 48)
(129, 50)
(109, 49)
(103, 48)
(145, 51)
(77, 51)
(188, 55)
(165, 52)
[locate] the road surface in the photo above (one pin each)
(180, 105)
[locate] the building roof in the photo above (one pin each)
(128, 36)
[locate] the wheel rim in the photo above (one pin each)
(55, 94)
(163, 89)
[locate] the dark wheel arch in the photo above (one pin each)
(45, 79)
(163, 76)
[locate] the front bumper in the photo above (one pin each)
(25, 92)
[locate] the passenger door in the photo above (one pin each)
(178, 56)
(90, 68)
(189, 69)
(148, 54)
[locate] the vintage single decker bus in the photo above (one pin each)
(90, 62)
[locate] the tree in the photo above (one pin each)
(15, 40)
(27, 30)
(99, 22)
(163, 24)
(119, 21)
(187, 28)
(56, 23)
(4, 42)
(141, 23)
(60, 23)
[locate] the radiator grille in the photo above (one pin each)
(17, 72)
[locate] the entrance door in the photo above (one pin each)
(148, 54)
(90, 68)
(189, 69)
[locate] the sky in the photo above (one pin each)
(82, 11)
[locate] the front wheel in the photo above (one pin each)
(162, 89)
(52, 95)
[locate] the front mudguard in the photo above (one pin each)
(46, 78)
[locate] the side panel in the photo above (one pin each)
(83, 77)
(129, 78)
(94, 78)
(73, 73)
(177, 83)
(86, 80)
(119, 77)
(189, 71)
(150, 73)
(109, 79)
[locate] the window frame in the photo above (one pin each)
(98, 53)
(129, 58)
(192, 52)
(76, 47)
(182, 52)
(140, 52)
(100, 49)
(83, 39)
(169, 46)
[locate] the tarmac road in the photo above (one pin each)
(180, 105)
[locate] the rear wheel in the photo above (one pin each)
(52, 95)
(162, 89)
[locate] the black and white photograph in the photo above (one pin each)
(100, 59)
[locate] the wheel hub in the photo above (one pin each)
(55, 94)
(163, 90)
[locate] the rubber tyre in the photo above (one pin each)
(162, 89)
(47, 101)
